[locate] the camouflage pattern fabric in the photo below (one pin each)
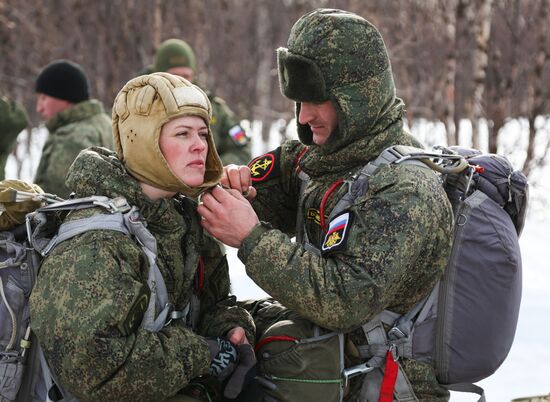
(231, 141)
(13, 120)
(82, 126)
(398, 235)
(87, 305)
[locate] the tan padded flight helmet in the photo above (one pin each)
(140, 110)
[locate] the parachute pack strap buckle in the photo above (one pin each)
(174, 314)
(376, 335)
(354, 371)
(112, 205)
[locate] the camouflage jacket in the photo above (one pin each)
(390, 247)
(232, 142)
(82, 126)
(87, 305)
(391, 252)
(13, 120)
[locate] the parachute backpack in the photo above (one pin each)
(30, 228)
(19, 265)
(466, 325)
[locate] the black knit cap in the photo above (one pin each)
(65, 80)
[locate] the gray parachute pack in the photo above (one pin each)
(466, 326)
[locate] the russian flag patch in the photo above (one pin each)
(238, 135)
(336, 236)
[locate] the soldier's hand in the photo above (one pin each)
(238, 177)
(243, 373)
(224, 357)
(227, 216)
(237, 336)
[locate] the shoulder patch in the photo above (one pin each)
(238, 135)
(314, 215)
(266, 166)
(135, 315)
(337, 235)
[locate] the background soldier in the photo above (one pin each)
(73, 119)
(175, 56)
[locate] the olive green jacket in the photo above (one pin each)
(81, 126)
(232, 142)
(86, 307)
(13, 120)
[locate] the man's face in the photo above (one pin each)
(185, 72)
(322, 119)
(49, 106)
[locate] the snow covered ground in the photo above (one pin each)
(526, 371)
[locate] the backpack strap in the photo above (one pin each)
(131, 224)
(378, 351)
(467, 387)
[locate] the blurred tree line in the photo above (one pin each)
(483, 60)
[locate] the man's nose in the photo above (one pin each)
(305, 115)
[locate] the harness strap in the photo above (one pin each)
(390, 377)
(467, 387)
(54, 392)
(370, 390)
(301, 236)
(130, 224)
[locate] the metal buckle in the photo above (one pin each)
(394, 352)
(396, 333)
(170, 308)
(355, 371)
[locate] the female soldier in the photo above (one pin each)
(92, 292)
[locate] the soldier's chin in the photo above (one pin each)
(320, 138)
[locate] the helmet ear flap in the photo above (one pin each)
(304, 130)
(300, 78)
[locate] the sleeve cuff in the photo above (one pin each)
(250, 242)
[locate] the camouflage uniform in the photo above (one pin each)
(86, 306)
(397, 239)
(231, 141)
(81, 126)
(13, 120)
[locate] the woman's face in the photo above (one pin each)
(184, 144)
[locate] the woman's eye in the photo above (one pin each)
(181, 134)
(204, 134)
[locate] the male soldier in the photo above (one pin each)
(73, 119)
(384, 252)
(13, 120)
(175, 56)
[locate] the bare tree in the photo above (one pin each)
(439, 52)
(482, 31)
(537, 88)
